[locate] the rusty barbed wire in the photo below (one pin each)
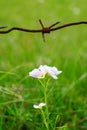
(3, 27)
(44, 29)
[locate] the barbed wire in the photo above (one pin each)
(44, 29)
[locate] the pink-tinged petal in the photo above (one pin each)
(34, 73)
(55, 71)
(42, 68)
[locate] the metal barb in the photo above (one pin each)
(54, 24)
(46, 29)
(43, 36)
(41, 23)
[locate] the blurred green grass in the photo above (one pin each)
(21, 52)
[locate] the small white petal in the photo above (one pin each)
(54, 69)
(36, 106)
(39, 106)
(42, 104)
(36, 73)
(54, 76)
(42, 68)
(59, 72)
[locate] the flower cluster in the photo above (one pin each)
(40, 73)
(43, 70)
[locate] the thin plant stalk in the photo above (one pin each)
(44, 119)
(45, 86)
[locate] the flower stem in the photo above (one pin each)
(44, 119)
(45, 116)
(46, 101)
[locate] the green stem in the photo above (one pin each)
(46, 101)
(41, 83)
(44, 119)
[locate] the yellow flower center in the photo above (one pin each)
(43, 74)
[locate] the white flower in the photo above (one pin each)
(39, 106)
(43, 70)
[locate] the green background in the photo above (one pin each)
(20, 52)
